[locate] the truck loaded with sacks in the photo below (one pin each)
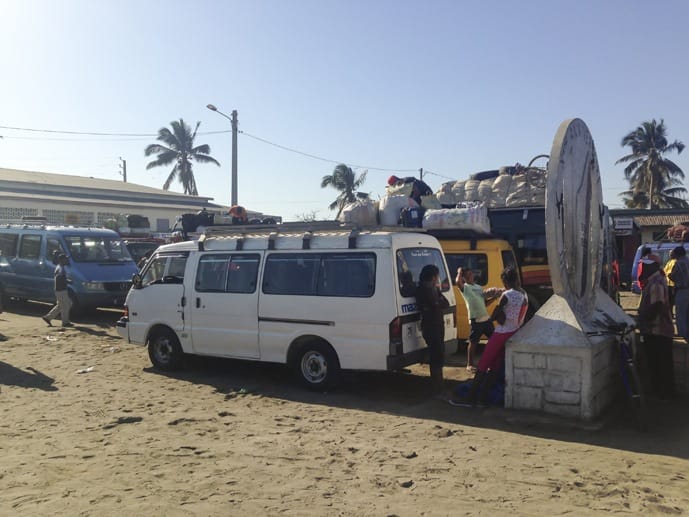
(499, 209)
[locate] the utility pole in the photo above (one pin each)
(421, 173)
(233, 120)
(234, 157)
(123, 169)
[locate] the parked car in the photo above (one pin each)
(99, 270)
(316, 300)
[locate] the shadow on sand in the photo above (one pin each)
(13, 376)
(103, 318)
(408, 395)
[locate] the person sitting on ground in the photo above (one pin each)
(475, 298)
(419, 188)
(509, 315)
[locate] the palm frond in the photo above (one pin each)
(156, 148)
(164, 158)
(204, 158)
(171, 177)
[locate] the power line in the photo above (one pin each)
(94, 133)
(290, 149)
(137, 136)
(426, 171)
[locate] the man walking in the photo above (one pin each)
(61, 294)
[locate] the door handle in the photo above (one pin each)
(198, 302)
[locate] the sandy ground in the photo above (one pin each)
(237, 438)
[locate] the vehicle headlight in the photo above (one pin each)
(93, 286)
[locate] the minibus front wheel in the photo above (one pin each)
(164, 350)
(316, 365)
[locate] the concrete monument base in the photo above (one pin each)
(554, 367)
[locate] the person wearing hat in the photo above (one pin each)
(63, 304)
(656, 328)
(419, 188)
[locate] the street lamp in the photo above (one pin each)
(233, 120)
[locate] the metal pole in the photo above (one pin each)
(234, 157)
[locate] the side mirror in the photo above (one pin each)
(136, 281)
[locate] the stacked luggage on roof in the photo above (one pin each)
(460, 204)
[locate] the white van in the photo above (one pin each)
(316, 297)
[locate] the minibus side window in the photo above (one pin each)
(177, 266)
(348, 275)
(154, 272)
(242, 274)
(211, 275)
(291, 274)
(8, 244)
(53, 246)
(30, 247)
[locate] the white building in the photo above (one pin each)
(84, 201)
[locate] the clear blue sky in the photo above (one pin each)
(451, 86)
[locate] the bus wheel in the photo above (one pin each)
(316, 366)
(164, 350)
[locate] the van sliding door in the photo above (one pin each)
(223, 305)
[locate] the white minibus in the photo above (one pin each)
(317, 298)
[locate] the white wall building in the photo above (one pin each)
(86, 201)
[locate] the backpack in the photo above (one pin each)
(411, 217)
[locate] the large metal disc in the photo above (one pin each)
(574, 216)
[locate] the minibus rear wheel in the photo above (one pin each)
(316, 365)
(164, 350)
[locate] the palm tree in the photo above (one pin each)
(344, 180)
(179, 148)
(653, 179)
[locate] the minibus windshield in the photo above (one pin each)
(95, 248)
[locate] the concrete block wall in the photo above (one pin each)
(568, 381)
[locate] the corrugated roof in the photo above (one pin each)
(84, 182)
(645, 221)
(111, 202)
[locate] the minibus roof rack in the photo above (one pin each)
(306, 229)
(298, 227)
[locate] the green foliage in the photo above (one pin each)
(179, 149)
(654, 180)
(344, 180)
